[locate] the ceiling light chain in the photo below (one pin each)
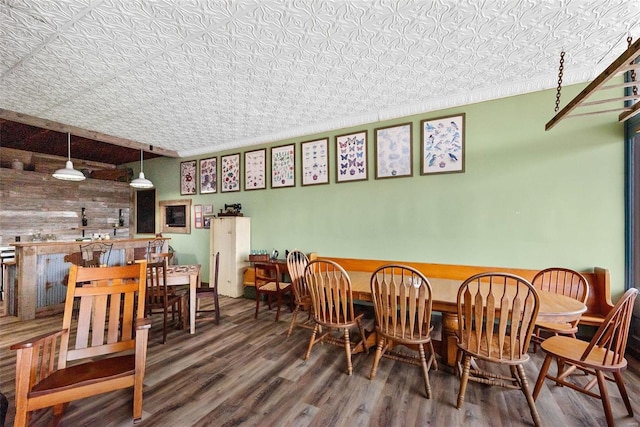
(560, 72)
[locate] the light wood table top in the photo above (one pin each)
(553, 307)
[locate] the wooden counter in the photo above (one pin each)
(34, 259)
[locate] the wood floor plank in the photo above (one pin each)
(245, 372)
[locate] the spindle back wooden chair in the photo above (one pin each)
(332, 299)
(561, 281)
(109, 350)
(297, 261)
(599, 358)
(496, 315)
(402, 299)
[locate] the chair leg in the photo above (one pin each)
(363, 337)
(433, 356)
(164, 325)
(604, 396)
(541, 376)
(216, 304)
(312, 341)
(425, 370)
(376, 358)
(347, 349)
(524, 384)
(279, 302)
(623, 392)
(466, 365)
(293, 320)
(255, 316)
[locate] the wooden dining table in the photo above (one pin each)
(553, 308)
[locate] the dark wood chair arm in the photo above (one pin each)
(32, 342)
(143, 323)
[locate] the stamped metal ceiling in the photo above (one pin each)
(199, 76)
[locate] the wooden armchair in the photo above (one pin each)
(496, 315)
(402, 301)
(602, 358)
(110, 348)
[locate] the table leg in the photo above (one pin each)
(449, 348)
(193, 282)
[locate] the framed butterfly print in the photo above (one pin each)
(283, 166)
(351, 157)
(230, 173)
(442, 148)
(315, 162)
(188, 177)
(255, 169)
(393, 148)
(208, 175)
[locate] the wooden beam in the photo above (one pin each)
(90, 134)
(627, 56)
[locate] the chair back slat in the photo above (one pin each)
(613, 333)
(496, 314)
(297, 261)
(562, 281)
(109, 300)
(330, 289)
(402, 302)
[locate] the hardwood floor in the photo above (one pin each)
(245, 372)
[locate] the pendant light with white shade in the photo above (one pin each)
(69, 173)
(141, 183)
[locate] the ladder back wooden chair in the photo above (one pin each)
(268, 283)
(602, 358)
(561, 281)
(332, 299)
(402, 300)
(297, 261)
(496, 315)
(210, 292)
(160, 297)
(109, 350)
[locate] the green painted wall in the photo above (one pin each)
(528, 198)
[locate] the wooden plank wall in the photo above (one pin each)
(35, 202)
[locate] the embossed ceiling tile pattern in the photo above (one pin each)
(198, 76)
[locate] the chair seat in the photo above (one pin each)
(271, 287)
(483, 352)
(571, 349)
(85, 374)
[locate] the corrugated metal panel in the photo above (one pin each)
(51, 279)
